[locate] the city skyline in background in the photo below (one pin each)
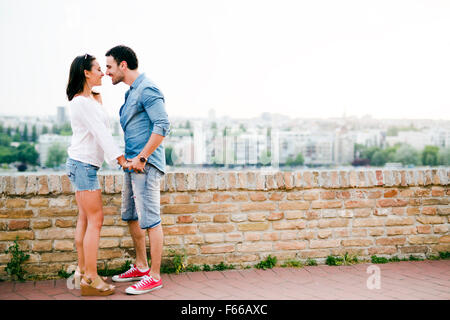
(300, 59)
(270, 140)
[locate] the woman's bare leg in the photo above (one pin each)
(80, 232)
(91, 204)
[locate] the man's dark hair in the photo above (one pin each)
(124, 53)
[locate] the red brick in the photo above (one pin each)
(221, 197)
(424, 229)
(328, 195)
(326, 204)
(221, 218)
(260, 206)
(275, 216)
(390, 193)
(185, 219)
(202, 198)
(182, 198)
(390, 241)
(429, 210)
(343, 195)
(180, 208)
(258, 196)
(173, 230)
(290, 245)
(18, 224)
(318, 244)
(207, 228)
(391, 203)
(164, 199)
(437, 192)
(284, 225)
(294, 205)
(206, 249)
(375, 194)
(276, 196)
(223, 207)
(359, 204)
(357, 242)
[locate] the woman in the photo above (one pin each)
(91, 144)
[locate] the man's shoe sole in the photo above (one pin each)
(143, 291)
(126, 279)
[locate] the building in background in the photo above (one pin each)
(61, 115)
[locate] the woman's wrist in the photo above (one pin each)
(121, 160)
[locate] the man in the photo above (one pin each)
(145, 124)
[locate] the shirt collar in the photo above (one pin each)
(137, 81)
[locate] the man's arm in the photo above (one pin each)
(153, 102)
(153, 142)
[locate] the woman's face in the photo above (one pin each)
(95, 75)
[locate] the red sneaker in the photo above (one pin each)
(132, 274)
(147, 284)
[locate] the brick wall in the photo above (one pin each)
(240, 217)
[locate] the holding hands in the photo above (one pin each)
(136, 165)
(132, 164)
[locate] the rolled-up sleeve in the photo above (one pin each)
(154, 105)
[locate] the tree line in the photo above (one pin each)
(401, 153)
(18, 145)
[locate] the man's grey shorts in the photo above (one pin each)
(141, 197)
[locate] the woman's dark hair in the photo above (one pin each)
(77, 79)
(123, 53)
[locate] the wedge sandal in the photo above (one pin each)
(78, 275)
(96, 287)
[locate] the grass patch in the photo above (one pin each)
(376, 259)
(311, 262)
(193, 268)
(414, 258)
(14, 266)
(206, 267)
(222, 266)
(106, 272)
(176, 264)
(292, 264)
(268, 263)
(346, 260)
(65, 275)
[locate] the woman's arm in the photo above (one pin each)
(91, 116)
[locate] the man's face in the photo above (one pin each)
(113, 70)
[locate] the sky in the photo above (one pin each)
(317, 58)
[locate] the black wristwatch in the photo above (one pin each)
(143, 159)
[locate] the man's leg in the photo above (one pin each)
(146, 188)
(156, 237)
(138, 236)
(129, 214)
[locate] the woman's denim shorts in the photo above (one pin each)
(83, 176)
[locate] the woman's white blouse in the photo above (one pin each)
(92, 141)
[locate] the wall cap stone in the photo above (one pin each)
(221, 180)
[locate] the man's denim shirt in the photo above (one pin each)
(142, 114)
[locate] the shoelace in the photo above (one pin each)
(132, 267)
(145, 281)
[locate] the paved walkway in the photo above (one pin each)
(408, 280)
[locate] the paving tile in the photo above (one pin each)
(11, 296)
(7, 286)
(66, 296)
(197, 276)
(213, 275)
(409, 280)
